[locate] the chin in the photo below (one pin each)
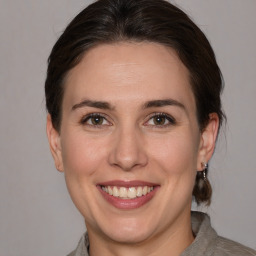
(128, 230)
(130, 235)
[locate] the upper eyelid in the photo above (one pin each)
(160, 114)
(150, 116)
(90, 115)
(95, 114)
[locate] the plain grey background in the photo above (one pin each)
(37, 216)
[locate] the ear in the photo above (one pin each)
(54, 142)
(207, 141)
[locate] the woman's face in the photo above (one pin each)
(130, 143)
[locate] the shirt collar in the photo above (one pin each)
(203, 245)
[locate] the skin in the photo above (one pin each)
(129, 144)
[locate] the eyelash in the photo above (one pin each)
(171, 120)
(85, 119)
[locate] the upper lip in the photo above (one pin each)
(125, 183)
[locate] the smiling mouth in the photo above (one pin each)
(127, 193)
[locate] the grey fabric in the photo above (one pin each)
(206, 243)
(82, 247)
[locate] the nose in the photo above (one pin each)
(127, 151)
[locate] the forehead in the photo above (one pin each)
(138, 70)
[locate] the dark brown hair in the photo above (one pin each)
(109, 21)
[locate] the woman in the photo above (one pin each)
(133, 95)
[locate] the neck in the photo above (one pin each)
(170, 242)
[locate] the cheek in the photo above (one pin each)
(177, 152)
(82, 160)
(81, 155)
(174, 158)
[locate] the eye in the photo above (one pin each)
(160, 119)
(95, 119)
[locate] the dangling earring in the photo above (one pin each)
(205, 170)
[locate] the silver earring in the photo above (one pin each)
(205, 170)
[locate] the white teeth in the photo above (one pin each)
(110, 190)
(115, 192)
(127, 193)
(139, 191)
(123, 192)
(144, 191)
(132, 192)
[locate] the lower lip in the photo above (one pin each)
(128, 204)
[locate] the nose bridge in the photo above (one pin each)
(128, 149)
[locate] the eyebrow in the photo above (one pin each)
(93, 104)
(148, 104)
(163, 103)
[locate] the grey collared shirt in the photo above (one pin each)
(206, 243)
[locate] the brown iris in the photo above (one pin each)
(97, 120)
(159, 120)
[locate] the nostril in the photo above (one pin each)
(127, 151)
(128, 158)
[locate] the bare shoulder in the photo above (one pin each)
(225, 247)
